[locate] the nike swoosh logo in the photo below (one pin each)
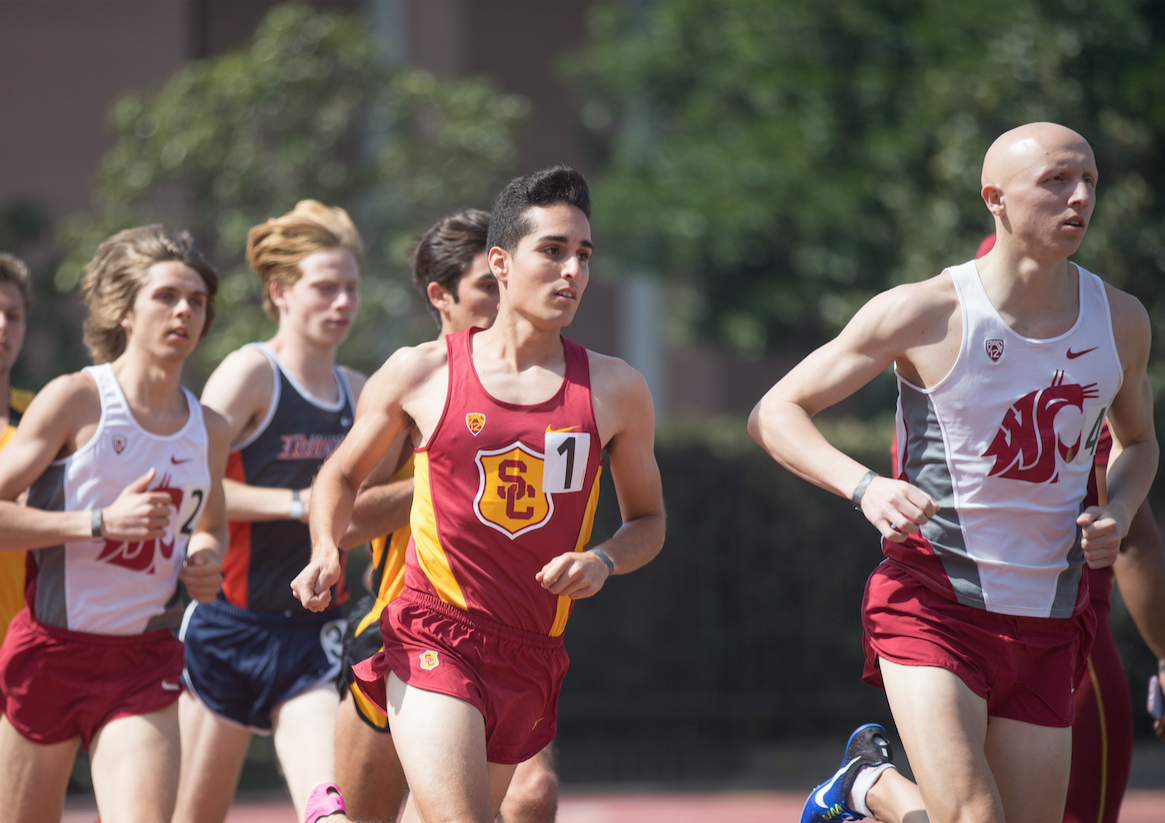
(819, 798)
(171, 687)
(178, 462)
(345, 421)
(559, 431)
(1072, 355)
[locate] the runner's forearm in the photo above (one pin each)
(1140, 574)
(636, 543)
(1129, 477)
(786, 431)
(332, 500)
(255, 504)
(23, 528)
(378, 511)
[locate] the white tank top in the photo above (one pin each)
(1004, 444)
(105, 587)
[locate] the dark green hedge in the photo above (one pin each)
(749, 620)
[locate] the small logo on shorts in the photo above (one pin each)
(118, 443)
(171, 687)
(995, 349)
(476, 422)
(536, 722)
(429, 660)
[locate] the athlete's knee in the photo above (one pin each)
(532, 796)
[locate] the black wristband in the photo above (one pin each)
(95, 522)
(860, 489)
(606, 558)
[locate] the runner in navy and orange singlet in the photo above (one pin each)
(122, 465)
(15, 291)
(451, 271)
(977, 623)
(255, 661)
(508, 428)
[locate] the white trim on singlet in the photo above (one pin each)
(343, 389)
(272, 404)
(191, 402)
(962, 344)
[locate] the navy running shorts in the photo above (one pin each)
(241, 664)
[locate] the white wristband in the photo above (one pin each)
(296, 505)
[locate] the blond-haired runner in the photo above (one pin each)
(451, 270)
(15, 293)
(508, 428)
(977, 623)
(123, 468)
(255, 661)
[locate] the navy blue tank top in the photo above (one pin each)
(285, 451)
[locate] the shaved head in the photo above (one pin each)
(1027, 146)
(1039, 183)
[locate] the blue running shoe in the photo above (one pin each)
(867, 746)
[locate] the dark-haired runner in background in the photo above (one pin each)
(509, 427)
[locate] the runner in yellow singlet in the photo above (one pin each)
(15, 290)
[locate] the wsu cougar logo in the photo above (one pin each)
(140, 557)
(1026, 444)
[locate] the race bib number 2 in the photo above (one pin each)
(565, 462)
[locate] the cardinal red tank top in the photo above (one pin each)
(501, 489)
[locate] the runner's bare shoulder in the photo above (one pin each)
(619, 395)
(409, 370)
(62, 417)
(1130, 325)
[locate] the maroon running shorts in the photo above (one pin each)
(511, 676)
(57, 684)
(1024, 667)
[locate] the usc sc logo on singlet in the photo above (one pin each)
(509, 493)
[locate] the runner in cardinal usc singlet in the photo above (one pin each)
(499, 490)
(508, 425)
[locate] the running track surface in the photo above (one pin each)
(729, 807)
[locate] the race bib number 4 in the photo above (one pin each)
(1090, 432)
(565, 467)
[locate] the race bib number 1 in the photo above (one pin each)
(565, 463)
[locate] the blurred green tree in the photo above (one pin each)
(308, 109)
(781, 162)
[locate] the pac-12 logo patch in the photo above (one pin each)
(429, 660)
(994, 349)
(509, 493)
(476, 422)
(118, 443)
